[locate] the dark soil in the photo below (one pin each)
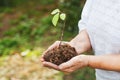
(60, 54)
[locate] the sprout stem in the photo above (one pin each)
(62, 33)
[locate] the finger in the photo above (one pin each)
(68, 71)
(51, 65)
(64, 42)
(71, 69)
(42, 59)
(65, 65)
(68, 64)
(56, 44)
(44, 53)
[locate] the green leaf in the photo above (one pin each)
(55, 11)
(63, 16)
(55, 19)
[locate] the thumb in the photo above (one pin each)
(64, 65)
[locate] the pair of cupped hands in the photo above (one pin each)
(72, 65)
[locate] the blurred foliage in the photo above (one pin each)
(73, 9)
(43, 2)
(24, 30)
(9, 3)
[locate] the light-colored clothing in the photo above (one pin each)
(101, 19)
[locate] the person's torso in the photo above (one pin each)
(104, 25)
(104, 31)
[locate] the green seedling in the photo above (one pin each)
(57, 14)
(62, 53)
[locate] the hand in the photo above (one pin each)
(75, 63)
(49, 64)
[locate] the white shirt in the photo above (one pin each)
(101, 19)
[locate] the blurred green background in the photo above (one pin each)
(26, 31)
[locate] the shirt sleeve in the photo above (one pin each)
(82, 24)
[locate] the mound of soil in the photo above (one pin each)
(60, 54)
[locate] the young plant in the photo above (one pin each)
(62, 53)
(57, 14)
